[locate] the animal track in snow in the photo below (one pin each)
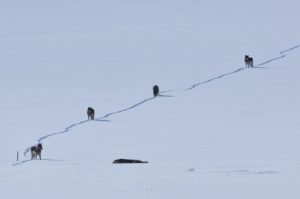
(104, 118)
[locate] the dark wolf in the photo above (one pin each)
(248, 61)
(91, 113)
(155, 90)
(36, 151)
(128, 161)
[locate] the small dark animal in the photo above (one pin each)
(91, 113)
(36, 151)
(128, 161)
(155, 90)
(248, 61)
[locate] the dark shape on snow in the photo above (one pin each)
(36, 151)
(128, 161)
(248, 61)
(155, 90)
(91, 113)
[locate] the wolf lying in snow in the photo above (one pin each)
(128, 161)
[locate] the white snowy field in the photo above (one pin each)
(218, 130)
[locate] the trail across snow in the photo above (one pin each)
(162, 94)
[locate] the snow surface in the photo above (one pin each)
(218, 130)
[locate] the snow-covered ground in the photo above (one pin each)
(218, 130)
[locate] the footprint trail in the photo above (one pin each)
(106, 116)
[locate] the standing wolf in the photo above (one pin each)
(248, 61)
(155, 90)
(36, 151)
(91, 113)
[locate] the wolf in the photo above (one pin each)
(91, 113)
(248, 61)
(128, 161)
(36, 151)
(155, 90)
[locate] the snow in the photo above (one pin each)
(233, 134)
